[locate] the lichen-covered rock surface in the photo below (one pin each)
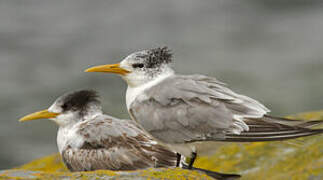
(51, 167)
(293, 159)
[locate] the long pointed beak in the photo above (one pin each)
(109, 68)
(44, 114)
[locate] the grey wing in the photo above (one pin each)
(95, 159)
(115, 144)
(185, 108)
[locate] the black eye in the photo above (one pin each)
(138, 65)
(64, 106)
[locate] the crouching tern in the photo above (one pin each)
(186, 111)
(88, 140)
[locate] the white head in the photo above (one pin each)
(70, 108)
(140, 67)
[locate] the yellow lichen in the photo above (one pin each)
(51, 163)
(173, 173)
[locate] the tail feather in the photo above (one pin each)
(249, 137)
(270, 128)
(311, 123)
(292, 122)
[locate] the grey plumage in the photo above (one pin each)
(194, 108)
(110, 143)
(185, 108)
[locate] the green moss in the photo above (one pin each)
(293, 159)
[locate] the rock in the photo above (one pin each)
(51, 167)
(293, 159)
(160, 173)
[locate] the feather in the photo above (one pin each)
(110, 143)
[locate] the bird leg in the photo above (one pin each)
(193, 157)
(178, 159)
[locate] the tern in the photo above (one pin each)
(89, 140)
(185, 111)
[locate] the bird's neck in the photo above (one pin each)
(134, 91)
(141, 78)
(69, 136)
(91, 114)
(62, 138)
(67, 133)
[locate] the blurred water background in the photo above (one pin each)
(271, 50)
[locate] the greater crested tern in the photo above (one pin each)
(185, 111)
(89, 140)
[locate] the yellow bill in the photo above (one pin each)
(39, 115)
(109, 68)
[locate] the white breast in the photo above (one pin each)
(138, 91)
(67, 136)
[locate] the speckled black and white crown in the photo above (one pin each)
(78, 100)
(157, 56)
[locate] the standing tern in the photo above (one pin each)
(89, 140)
(185, 111)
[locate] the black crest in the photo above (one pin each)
(79, 100)
(158, 56)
